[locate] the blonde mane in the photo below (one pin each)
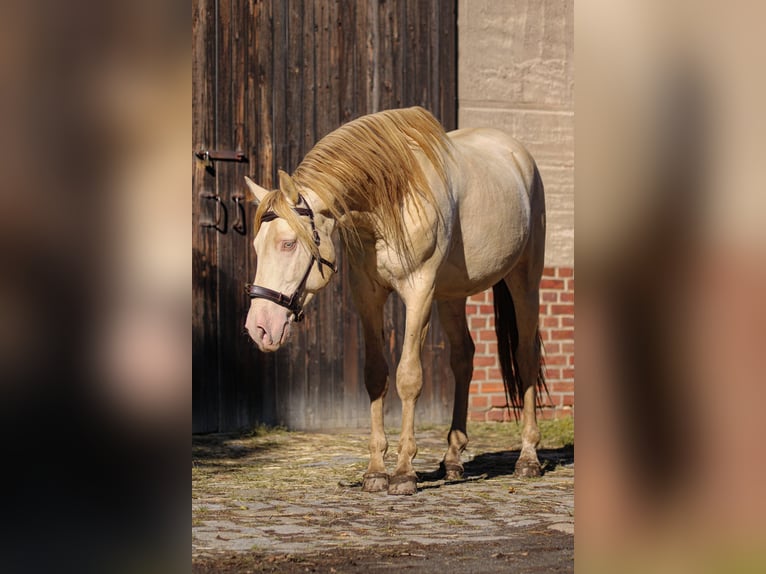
(369, 165)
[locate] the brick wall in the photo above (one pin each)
(487, 398)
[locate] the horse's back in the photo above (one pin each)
(494, 152)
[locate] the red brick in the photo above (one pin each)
(557, 284)
(479, 375)
(483, 361)
(561, 387)
(547, 414)
(567, 373)
(480, 348)
(567, 321)
(565, 272)
(556, 360)
(546, 401)
(487, 309)
(566, 297)
(567, 400)
(477, 416)
(495, 415)
(552, 348)
(478, 297)
(571, 359)
(491, 348)
(494, 374)
(471, 309)
(487, 335)
(487, 388)
(567, 348)
(562, 334)
(549, 271)
(570, 284)
(497, 400)
(550, 321)
(562, 309)
(479, 402)
(549, 296)
(552, 374)
(478, 322)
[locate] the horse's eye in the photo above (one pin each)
(288, 245)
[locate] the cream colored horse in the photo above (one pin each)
(432, 216)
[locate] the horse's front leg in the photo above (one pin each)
(409, 382)
(369, 299)
(376, 381)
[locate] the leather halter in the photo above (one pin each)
(291, 302)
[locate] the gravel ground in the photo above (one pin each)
(276, 501)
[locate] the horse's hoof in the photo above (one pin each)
(403, 484)
(375, 482)
(453, 471)
(528, 468)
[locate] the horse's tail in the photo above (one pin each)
(507, 333)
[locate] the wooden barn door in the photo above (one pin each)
(270, 79)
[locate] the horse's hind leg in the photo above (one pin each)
(455, 325)
(369, 300)
(524, 289)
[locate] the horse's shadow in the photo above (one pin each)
(503, 463)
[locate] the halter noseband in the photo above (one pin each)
(291, 302)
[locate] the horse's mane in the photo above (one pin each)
(369, 165)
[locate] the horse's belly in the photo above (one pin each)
(471, 268)
(458, 279)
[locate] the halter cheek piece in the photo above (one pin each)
(291, 302)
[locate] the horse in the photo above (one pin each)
(434, 216)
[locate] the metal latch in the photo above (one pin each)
(221, 155)
(208, 156)
(220, 213)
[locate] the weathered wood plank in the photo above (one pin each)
(263, 70)
(289, 72)
(225, 112)
(448, 65)
(204, 241)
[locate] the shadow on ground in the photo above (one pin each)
(503, 463)
(215, 449)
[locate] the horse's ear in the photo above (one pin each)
(288, 187)
(257, 193)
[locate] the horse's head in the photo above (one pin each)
(295, 259)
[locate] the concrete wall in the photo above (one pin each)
(516, 72)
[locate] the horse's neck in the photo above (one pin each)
(359, 232)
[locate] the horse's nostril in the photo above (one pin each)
(262, 335)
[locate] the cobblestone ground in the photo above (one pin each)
(292, 502)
